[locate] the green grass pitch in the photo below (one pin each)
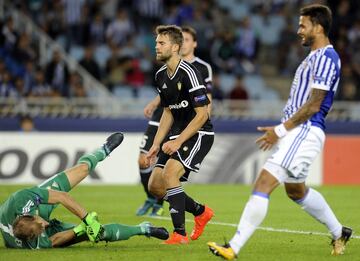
(119, 203)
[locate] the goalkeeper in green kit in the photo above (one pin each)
(25, 216)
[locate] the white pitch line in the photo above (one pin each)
(271, 229)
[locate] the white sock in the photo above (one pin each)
(252, 216)
(315, 204)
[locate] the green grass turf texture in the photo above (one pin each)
(119, 203)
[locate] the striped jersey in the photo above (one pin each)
(182, 92)
(319, 70)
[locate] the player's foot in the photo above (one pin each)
(224, 251)
(112, 142)
(157, 210)
(149, 203)
(200, 223)
(176, 239)
(339, 244)
(151, 231)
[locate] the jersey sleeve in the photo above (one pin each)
(208, 79)
(196, 89)
(323, 73)
(28, 200)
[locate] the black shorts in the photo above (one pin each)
(191, 153)
(149, 136)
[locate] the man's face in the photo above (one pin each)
(38, 226)
(164, 48)
(189, 44)
(306, 31)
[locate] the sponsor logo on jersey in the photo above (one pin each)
(182, 104)
(179, 86)
(164, 86)
(200, 98)
(173, 211)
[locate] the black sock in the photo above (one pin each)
(176, 199)
(145, 176)
(193, 207)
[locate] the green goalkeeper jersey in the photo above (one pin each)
(24, 202)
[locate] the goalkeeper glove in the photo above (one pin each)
(80, 229)
(93, 227)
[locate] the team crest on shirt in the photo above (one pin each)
(179, 86)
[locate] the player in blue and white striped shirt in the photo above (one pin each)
(298, 139)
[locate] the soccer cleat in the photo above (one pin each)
(157, 211)
(224, 251)
(112, 142)
(339, 244)
(151, 231)
(176, 239)
(149, 203)
(200, 223)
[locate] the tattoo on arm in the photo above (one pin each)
(309, 108)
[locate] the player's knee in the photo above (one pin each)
(156, 190)
(142, 162)
(295, 194)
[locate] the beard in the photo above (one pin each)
(308, 41)
(163, 57)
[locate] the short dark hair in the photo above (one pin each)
(319, 14)
(189, 30)
(21, 227)
(173, 31)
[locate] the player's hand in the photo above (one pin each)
(93, 227)
(149, 109)
(152, 154)
(266, 141)
(80, 229)
(171, 146)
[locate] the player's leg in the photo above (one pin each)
(315, 205)
(145, 173)
(175, 195)
(76, 174)
(254, 212)
(117, 232)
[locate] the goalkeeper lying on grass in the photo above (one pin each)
(25, 216)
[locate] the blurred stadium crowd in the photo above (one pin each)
(248, 43)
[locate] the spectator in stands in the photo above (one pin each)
(74, 13)
(26, 123)
(238, 92)
(349, 92)
(9, 35)
(20, 89)
(7, 88)
(40, 87)
(120, 29)
(77, 88)
(89, 63)
(57, 74)
(216, 92)
(2, 69)
(97, 30)
(23, 51)
(223, 52)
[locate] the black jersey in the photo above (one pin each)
(205, 70)
(206, 74)
(181, 93)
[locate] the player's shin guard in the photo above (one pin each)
(176, 199)
(315, 205)
(252, 216)
(117, 232)
(92, 159)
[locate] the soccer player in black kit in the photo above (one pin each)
(185, 132)
(153, 111)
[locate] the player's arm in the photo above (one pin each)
(306, 111)
(209, 106)
(151, 106)
(165, 124)
(63, 198)
(195, 124)
(61, 238)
